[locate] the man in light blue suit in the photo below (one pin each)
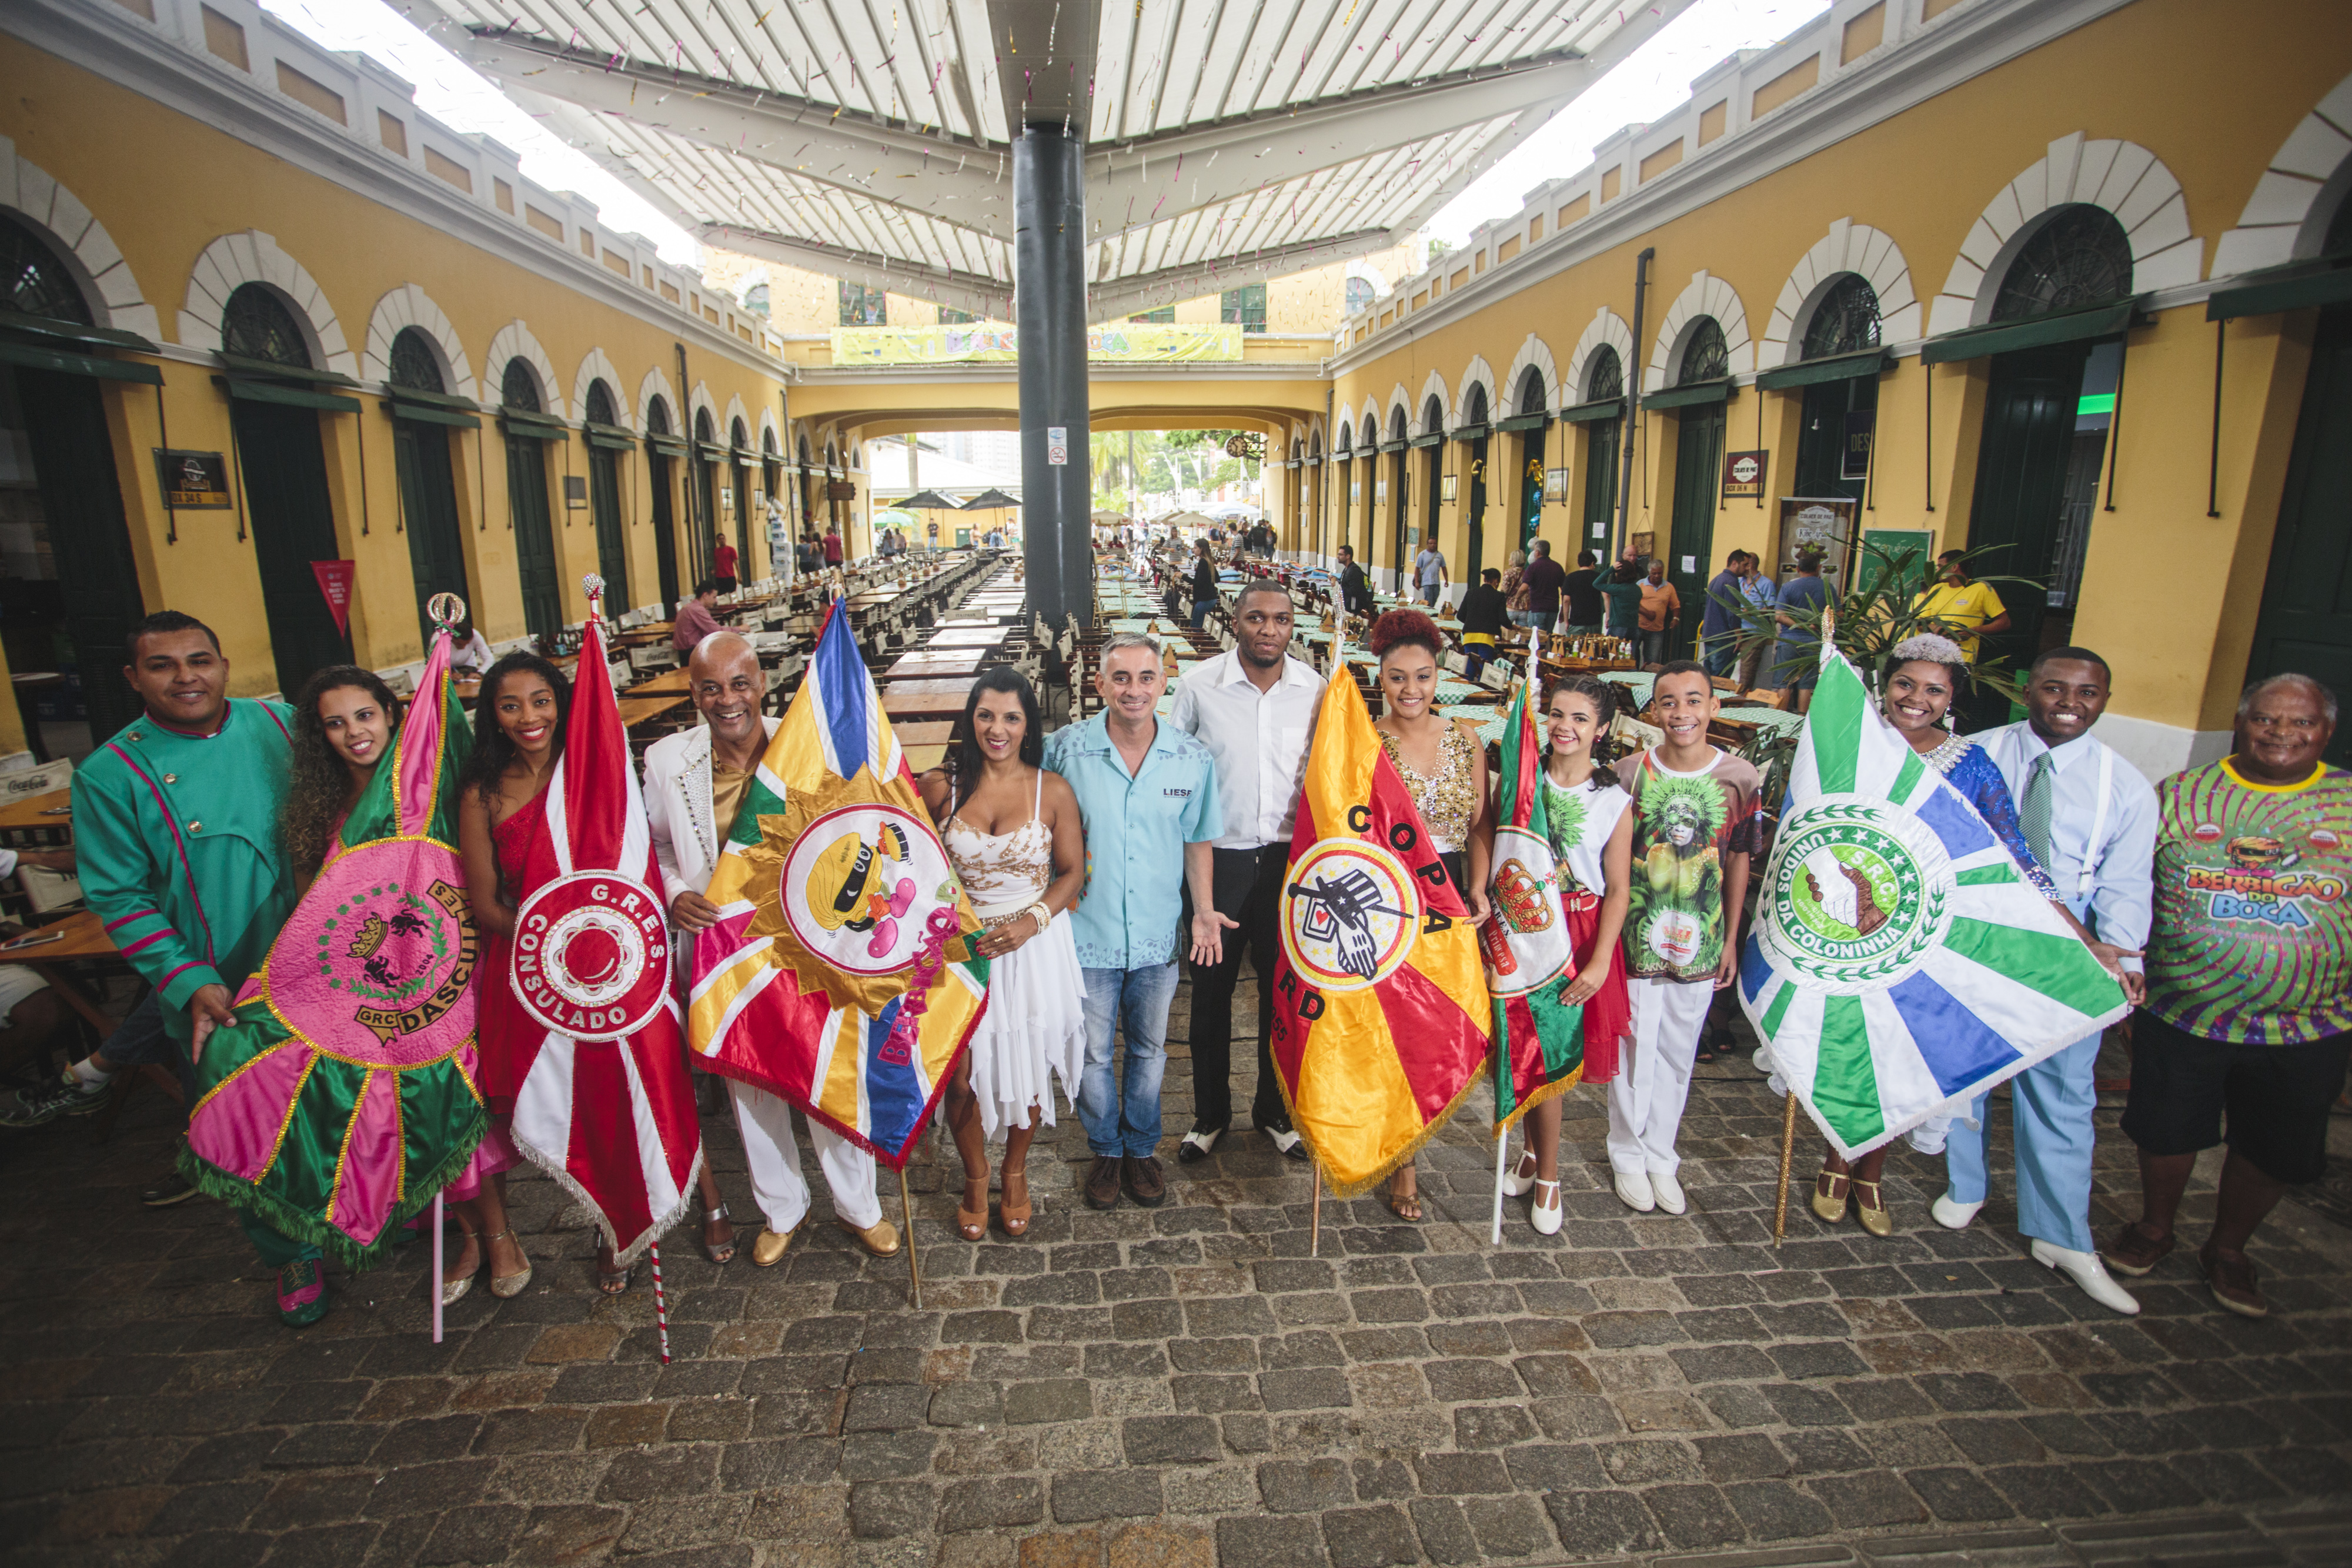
(2089, 818)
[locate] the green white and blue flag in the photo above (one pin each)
(1900, 963)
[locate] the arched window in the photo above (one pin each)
(37, 282)
(600, 404)
(1532, 391)
(1360, 294)
(1432, 416)
(1705, 356)
(2079, 256)
(2339, 231)
(756, 300)
(1342, 443)
(415, 365)
(518, 387)
(768, 447)
(1845, 321)
(702, 430)
(740, 437)
(1396, 423)
(657, 418)
(257, 326)
(1474, 412)
(804, 449)
(1604, 375)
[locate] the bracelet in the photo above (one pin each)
(1042, 913)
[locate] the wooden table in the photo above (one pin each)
(923, 665)
(635, 710)
(54, 810)
(84, 936)
(925, 732)
(966, 637)
(933, 699)
(921, 759)
(678, 681)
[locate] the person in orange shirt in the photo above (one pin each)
(1661, 612)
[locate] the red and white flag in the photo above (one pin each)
(604, 1104)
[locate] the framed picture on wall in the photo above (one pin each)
(1555, 485)
(1446, 487)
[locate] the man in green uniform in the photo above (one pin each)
(175, 826)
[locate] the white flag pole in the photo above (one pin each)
(1502, 1142)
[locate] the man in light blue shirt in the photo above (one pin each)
(1148, 794)
(1757, 591)
(2089, 818)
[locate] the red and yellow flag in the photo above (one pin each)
(1380, 1012)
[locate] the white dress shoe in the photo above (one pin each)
(1521, 1176)
(1547, 1220)
(1636, 1192)
(2086, 1269)
(1669, 1193)
(1952, 1215)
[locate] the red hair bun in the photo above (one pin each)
(1405, 628)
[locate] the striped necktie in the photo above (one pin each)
(2034, 815)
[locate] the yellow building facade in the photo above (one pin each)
(2165, 157)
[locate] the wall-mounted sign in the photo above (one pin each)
(1743, 474)
(1057, 445)
(840, 490)
(1446, 488)
(1555, 485)
(1380, 492)
(1824, 523)
(195, 480)
(1854, 459)
(575, 492)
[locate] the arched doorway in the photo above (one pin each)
(1837, 429)
(71, 590)
(2047, 413)
(284, 472)
(705, 518)
(2305, 626)
(1474, 417)
(535, 567)
(771, 482)
(605, 446)
(1343, 485)
(1399, 557)
(1603, 405)
(421, 432)
(661, 446)
(1433, 427)
(802, 480)
(740, 482)
(1531, 453)
(1705, 368)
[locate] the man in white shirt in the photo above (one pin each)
(695, 782)
(2091, 820)
(1253, 708)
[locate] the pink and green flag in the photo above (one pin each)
(1529, 953)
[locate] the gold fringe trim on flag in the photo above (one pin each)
(1437, 1124)
(1548, 1091)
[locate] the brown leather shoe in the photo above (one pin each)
(1102, 1183)
(2134, 1251)
(1146, 1183)
(2232, 1280)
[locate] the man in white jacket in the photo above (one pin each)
(695, 782)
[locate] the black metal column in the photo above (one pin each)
(1050, 300)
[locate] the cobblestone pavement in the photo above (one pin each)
(1180, 1387)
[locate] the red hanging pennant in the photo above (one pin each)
(335, 581)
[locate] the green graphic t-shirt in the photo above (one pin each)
(1685, 825)
(2253, 937)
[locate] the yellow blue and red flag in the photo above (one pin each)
(1380, 1012)
(839, 975)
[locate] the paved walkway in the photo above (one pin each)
(1180, 1387)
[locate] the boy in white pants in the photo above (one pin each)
(1695, 825)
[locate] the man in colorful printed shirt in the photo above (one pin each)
(176, 825)
(2249, 1011)
(1694, 828)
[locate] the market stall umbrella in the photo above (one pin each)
(1107, 518)
(895, 518)
(988, 498)
(1184, 520)
(931, 501)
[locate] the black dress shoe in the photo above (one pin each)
(1198, 1142)
(1286, 1138)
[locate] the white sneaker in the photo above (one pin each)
(1634, 1190)
(1952, 1215)
(1669, 1193)
(1547, 1221)
(1521, 1176)
(2086, 1269)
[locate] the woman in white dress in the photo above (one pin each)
(1013, 832)
(1592, 841)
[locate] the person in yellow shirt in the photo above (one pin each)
(1960, 608)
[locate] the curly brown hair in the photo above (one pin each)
(1405, 629)
(321, 779)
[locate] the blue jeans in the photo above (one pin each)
(2051, 1105)
(1429, 592)
(1722, 648)
(1136, 1001)
(1201, 608)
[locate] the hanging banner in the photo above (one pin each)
(1854, 459)
(193, 481)
(1129, 342)
(335, 581)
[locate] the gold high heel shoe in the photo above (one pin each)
(506, 1287)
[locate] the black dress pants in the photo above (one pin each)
(1248, 887)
